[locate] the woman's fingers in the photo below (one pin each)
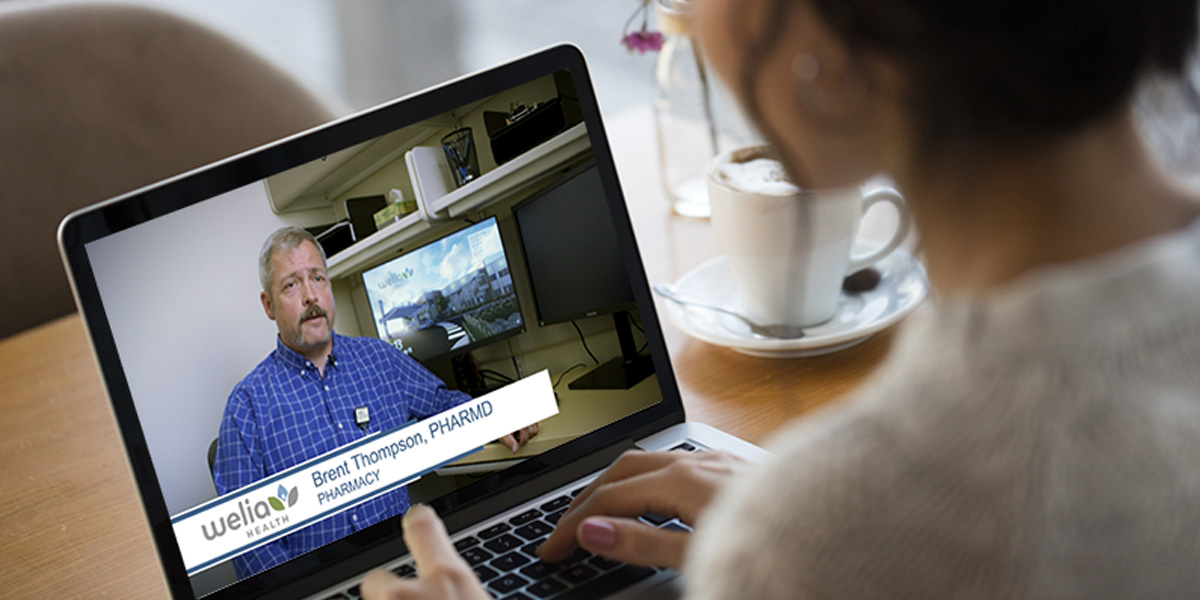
(427, 540)
(630, 463)
(631, 541)
(672, 484)
(601, 519)
(382, 585)
(441, 572)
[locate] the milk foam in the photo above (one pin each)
(759, 176)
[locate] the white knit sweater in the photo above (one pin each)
(1041, 442)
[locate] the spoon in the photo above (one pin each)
(781, 332)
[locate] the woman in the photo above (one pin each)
(1036, 432)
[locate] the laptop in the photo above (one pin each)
(503, 263)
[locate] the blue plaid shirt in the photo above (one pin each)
(284, 413)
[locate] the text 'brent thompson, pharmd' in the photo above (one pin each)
(363, 460)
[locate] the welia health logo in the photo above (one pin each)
(254, 519)
(283, 495)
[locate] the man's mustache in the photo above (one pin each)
(314, 311)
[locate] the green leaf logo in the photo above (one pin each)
(275, 503)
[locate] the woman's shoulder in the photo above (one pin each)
(861, 497)
(948, 457)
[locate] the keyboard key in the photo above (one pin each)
(686, 447)
(546, 588)
(507, 583)
(518, 596)
(465, 543)
(494, 531)
(355, 592)
(475, 556)
(504, 543)
(405, 571)
(577, 574)
(338, 597)
(555, 516)
(539, 570)
(535, 530)
(602, 563)
(510, 561)
(578, 491)
(531, 549)
(607, 583)
(557, 503)
(579, 555)
(675, 526)
(525, 517)
(484, 573)
(655, 519)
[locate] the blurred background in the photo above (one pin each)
(363, 52)
(358, 53)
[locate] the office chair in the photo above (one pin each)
(212, 458)
(100, 99)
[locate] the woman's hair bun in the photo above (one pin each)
(1018, 69)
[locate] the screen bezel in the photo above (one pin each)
(140, 206)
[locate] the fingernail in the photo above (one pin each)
(597, 533)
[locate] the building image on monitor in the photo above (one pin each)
(446, 297)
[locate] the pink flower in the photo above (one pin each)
(642, 41)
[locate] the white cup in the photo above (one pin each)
(789, 249)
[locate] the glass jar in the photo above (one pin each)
(695, 115)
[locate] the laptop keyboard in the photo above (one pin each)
(504, 557)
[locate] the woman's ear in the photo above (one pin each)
(827, 79)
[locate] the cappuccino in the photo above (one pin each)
(788, 249)
(753, 170)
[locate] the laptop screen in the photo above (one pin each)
(449, 330)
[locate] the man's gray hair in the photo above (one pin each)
(285, 239)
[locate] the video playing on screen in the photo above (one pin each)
(469, 296)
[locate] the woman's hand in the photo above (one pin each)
(603, 518)
(441, 572)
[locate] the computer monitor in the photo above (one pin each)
(575, 268)
(571, 250)
(446, 297)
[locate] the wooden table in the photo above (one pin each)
(70, 521)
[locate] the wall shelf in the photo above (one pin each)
(509, 176)
(319, 183)
(365, 251)
(488, 188)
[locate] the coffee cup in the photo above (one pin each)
(788, 249)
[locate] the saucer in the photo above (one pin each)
(901, 289)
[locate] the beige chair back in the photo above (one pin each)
(100, 99)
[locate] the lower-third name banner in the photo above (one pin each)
(286, 502)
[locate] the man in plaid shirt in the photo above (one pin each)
(300, 401)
